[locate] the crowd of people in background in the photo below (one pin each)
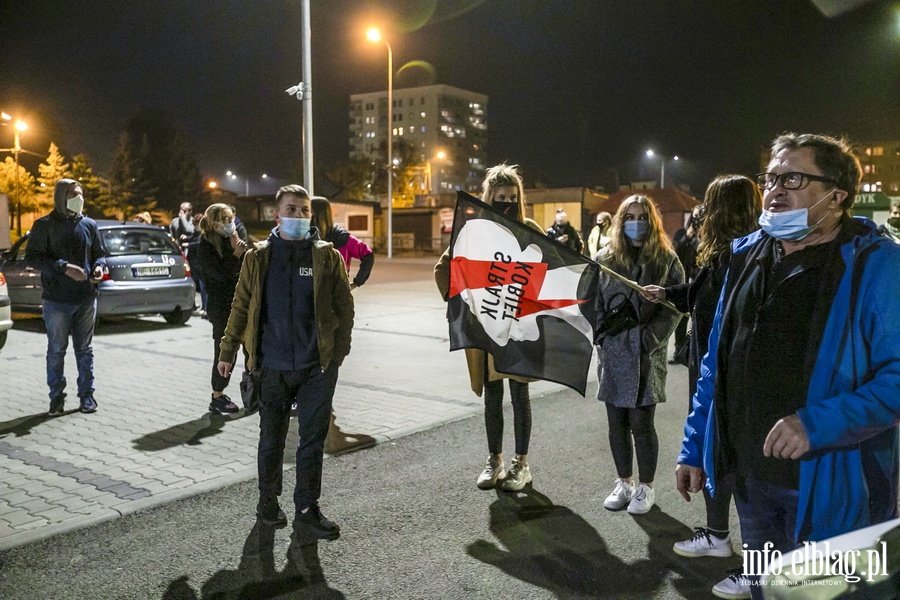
(792, 349)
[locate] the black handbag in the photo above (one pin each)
(250, 389)
(620, 316)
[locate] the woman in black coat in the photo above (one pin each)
(220, 254)
(730, 210)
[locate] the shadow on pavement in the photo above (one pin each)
(552, 547)
(337, 442)
(191, 433)
(23, 425)
(695, 577)
(256, 577)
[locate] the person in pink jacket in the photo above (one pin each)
(344, 242)
(349, 246)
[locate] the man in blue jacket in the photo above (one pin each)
(798, 395)
(65, 246)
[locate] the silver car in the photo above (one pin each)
(144, 272)
(5, 313)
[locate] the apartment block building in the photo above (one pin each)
(881, 167)
(446, 125)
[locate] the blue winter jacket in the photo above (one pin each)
(849, 478)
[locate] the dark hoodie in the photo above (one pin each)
(289, 337)
(59, 239)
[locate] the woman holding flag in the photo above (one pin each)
(632, 335)
(502, 189)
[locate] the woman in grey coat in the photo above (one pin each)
(632, 336)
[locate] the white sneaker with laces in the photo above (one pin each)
(643, 500)
(620, 496)
(492, 472)
(704, 543)
(735, 587)
(517, 477)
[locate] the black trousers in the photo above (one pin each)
(312, 389)
(625, 423)
(493, 414)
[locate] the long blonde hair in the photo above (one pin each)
(657, 246)
(214, 215)
(322, 218)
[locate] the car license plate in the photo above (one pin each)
(151, 271)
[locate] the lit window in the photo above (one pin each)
(865, 187)
(412, 129)
(422, 129)
(878, 151)
(422, 114)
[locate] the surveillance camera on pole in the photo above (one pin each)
(296, 90)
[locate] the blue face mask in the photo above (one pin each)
(636, 230)
(295, 228)
(790, 225)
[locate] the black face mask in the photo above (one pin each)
(894, 222)
(695, 223)
(509, 209)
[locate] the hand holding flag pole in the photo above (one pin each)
(636, 286)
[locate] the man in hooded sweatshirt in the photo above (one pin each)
(293, 312)
(64, 246)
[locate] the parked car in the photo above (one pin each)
(144, 272)
(5, 312)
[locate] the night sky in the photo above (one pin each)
(576, 87)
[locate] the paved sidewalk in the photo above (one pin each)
(153, 441)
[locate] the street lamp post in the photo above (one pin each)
(662, 167)
(16, 149)
(375, 36)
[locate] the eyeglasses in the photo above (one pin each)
(793, 180)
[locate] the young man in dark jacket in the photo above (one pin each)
(64, 246)
(293, 311)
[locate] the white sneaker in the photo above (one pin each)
(620, 496)
(517, 477)
(703, 543)
(736, 586)
(492, 472)
(643, 499)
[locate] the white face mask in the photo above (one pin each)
(228, 229)
(791, 225)
(76, 204)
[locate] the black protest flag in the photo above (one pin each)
(527, 300)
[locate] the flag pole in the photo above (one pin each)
(636, 286)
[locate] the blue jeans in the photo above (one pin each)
(767, 513)
(312, 389)
(62, 320)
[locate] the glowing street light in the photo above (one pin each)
(662, 166)
(19, 127)
(375, 36)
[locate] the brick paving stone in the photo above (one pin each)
(19, 518)
(55, 514)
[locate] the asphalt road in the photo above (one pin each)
(414, 526)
